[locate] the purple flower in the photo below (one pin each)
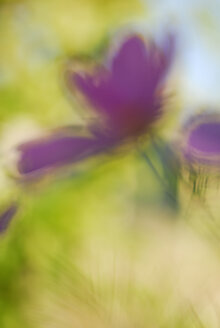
(126, 95)
(202, 143)
(6, 216)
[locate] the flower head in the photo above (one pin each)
(202, 144)
(127, 97)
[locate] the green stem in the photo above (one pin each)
(158, 176)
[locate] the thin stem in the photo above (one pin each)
(157, 175)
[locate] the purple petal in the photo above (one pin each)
(127, 94)
(138, 68)
(56, 150)
(129, 69)
(125, 84)
(7, 216)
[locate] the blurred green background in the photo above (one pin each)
(100, 248)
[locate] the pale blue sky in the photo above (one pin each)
(197, 24)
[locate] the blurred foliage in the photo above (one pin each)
(36, 37)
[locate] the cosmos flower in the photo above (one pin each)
(202, 142)
(127, 96)
(6, 216)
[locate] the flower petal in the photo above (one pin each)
(127, 94)
(125, 82)
(6, 216)
(56, 150)
(129, 68)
